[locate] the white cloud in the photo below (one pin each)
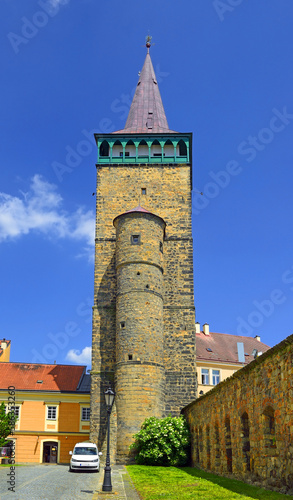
(40, 209)
(80, 358)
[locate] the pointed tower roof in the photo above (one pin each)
(146, 114)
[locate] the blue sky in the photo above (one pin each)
(69, 68)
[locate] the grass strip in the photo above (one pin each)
(188, 483)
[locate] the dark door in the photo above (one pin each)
(50, 453)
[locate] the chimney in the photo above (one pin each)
(257, 337)
(197, 327)
(5, 353)
(3, 344)
(206, 329)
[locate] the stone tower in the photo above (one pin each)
(143, 315)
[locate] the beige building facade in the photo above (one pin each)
(220, 355)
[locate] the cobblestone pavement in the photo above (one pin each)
(54, 482)
(48, 482)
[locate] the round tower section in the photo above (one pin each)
(139, 323)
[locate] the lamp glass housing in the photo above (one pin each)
(109, 397)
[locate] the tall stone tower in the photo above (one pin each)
(143, 315)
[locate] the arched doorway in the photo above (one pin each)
(50, 452)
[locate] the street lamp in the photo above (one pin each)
(107, 485)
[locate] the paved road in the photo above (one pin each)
(48, 482)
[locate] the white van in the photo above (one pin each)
(85, 456)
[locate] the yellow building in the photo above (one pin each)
(219, 355)
(52, 404)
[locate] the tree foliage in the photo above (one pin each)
(163, 441)
(7, 424)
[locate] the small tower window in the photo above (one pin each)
(143, 190)
(135, 239)
(130, 357)
(122, 324)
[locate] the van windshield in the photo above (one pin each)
(84, 450)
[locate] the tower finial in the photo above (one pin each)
(148, 40)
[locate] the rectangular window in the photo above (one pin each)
(216, 377)
(135, 239)
(85, 413)
(13, 409)
(143, 190)
(51, 412)
(205, 379)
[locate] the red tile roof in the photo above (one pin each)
(146, 114)
(25, 376)
(223, 347)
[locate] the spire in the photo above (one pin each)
(147, 114)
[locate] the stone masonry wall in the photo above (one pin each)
(168, 195)
(244, 425)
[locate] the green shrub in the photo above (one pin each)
(163, 441)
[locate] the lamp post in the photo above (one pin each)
(107, 485)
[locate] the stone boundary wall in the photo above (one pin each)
(244, 426)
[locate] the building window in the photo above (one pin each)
(122, 324)
(13, 409)
(216, 377)
(135, 239)
(51, 412)
(143, 190)
(85, 413)
(205, 378)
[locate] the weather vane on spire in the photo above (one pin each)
(148, 41)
